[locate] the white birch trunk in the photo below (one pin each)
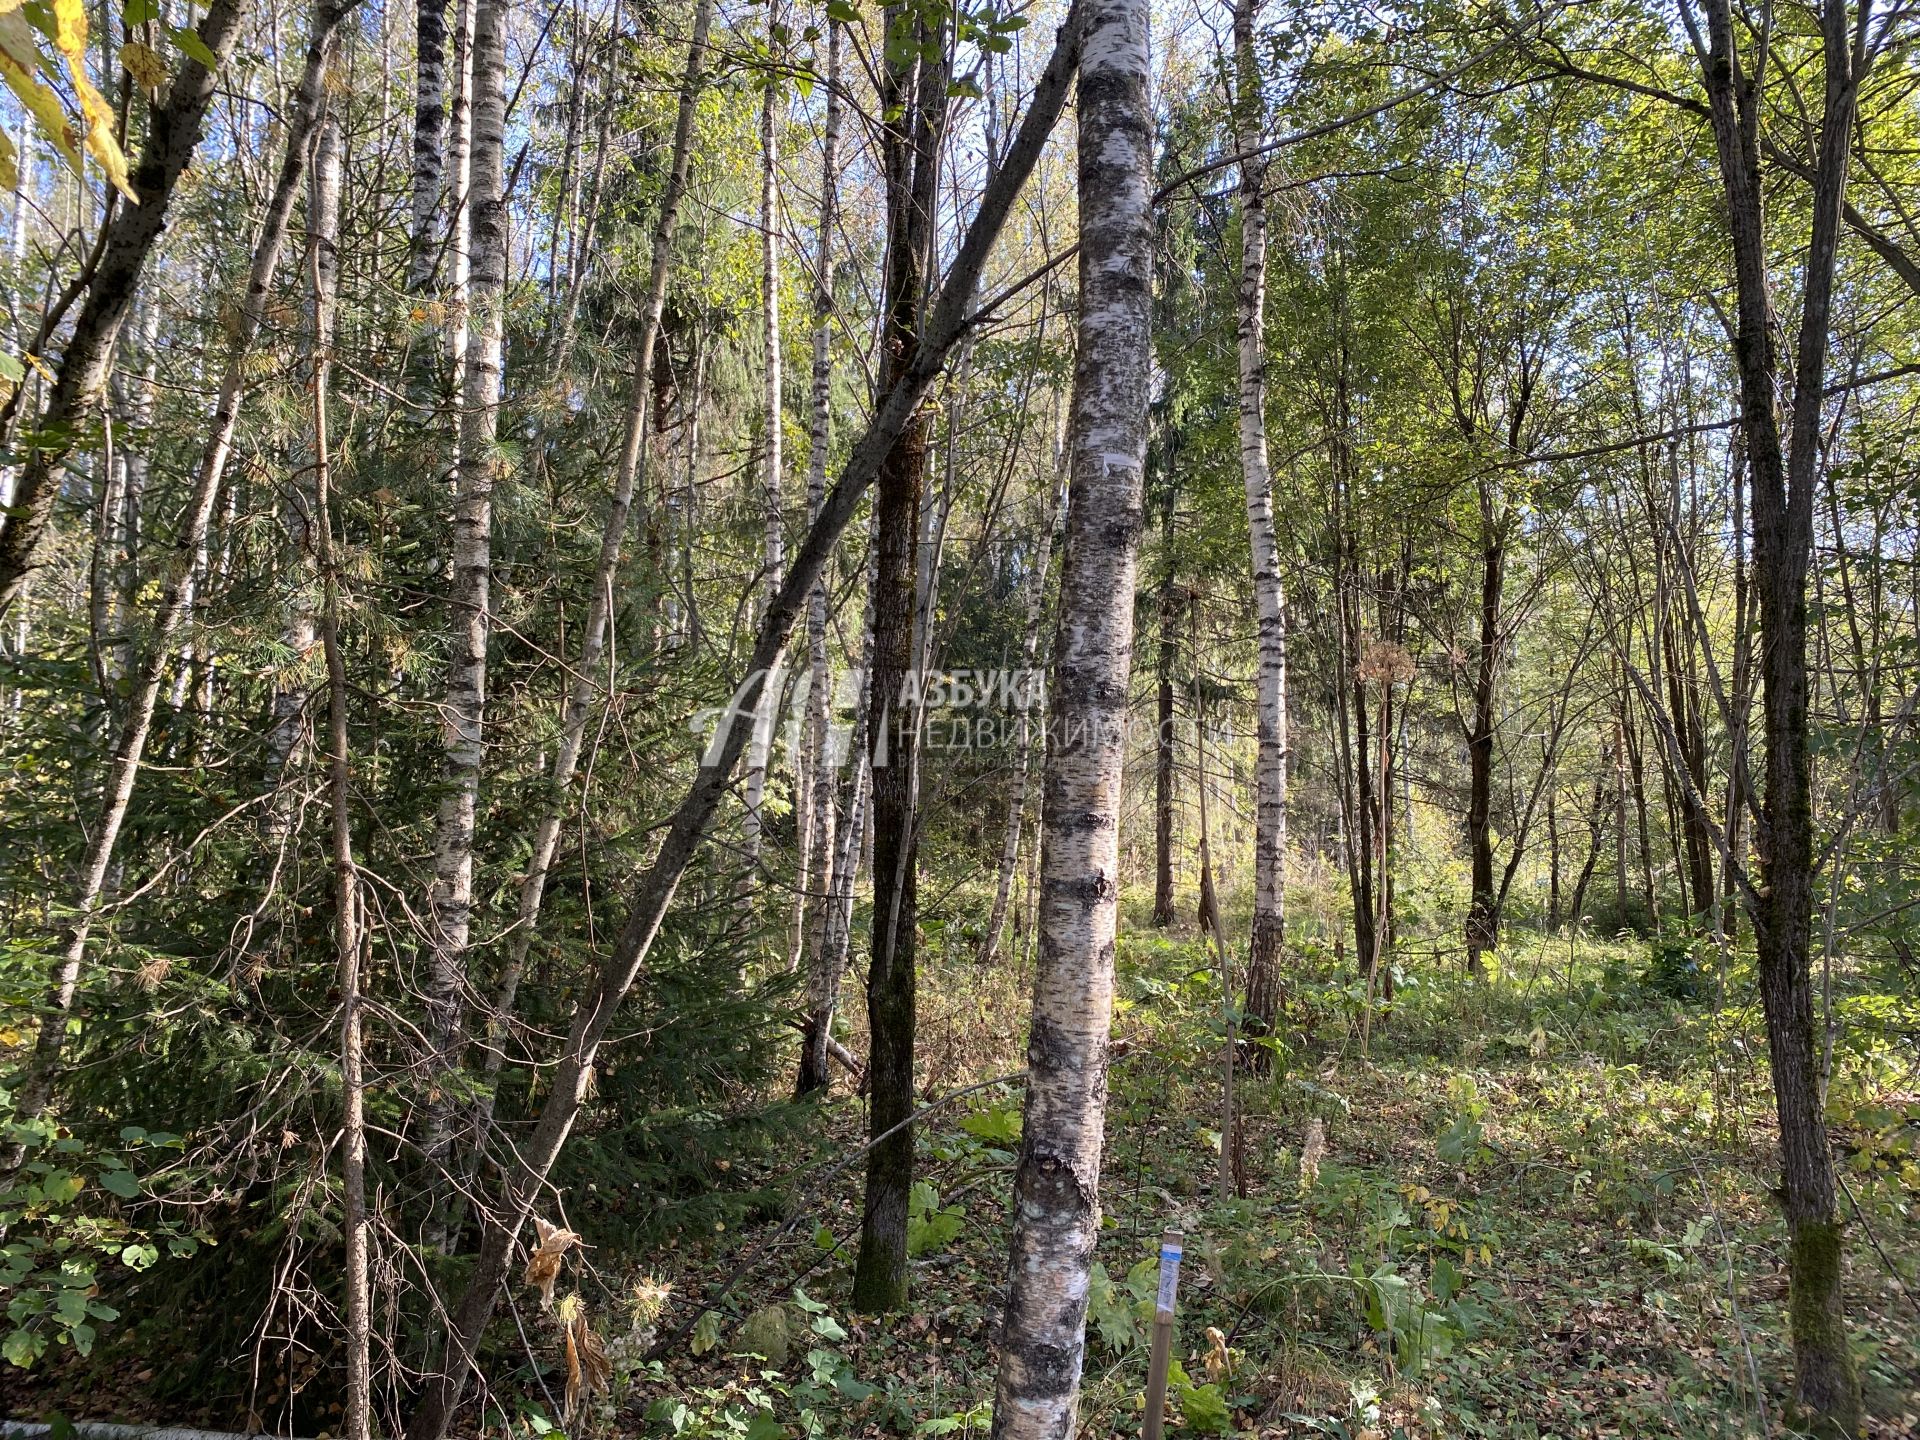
(1270, 766)
(774, 558)
(476, 471)
(323, 220)
(429, 141)
(1056, 1209)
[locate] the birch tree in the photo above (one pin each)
(1270, 705)
(476, 471)
(1056, 1198)
(818, 887)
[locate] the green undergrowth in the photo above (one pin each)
(1543, 1209)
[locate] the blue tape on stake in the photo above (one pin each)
(1169, 1278)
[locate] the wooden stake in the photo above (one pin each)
(1162, 1357)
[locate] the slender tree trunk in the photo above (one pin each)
(173, 133)
(477, 470)
(527, 1171)
(913, 94)
(429, 142)
(1825, 1382)
(1483, 913)
(1270, 706)
(1056, 1210)
(772, 463)
(42, 1071)
(1164, 909)
(851, 830)
(585, 682)
(323, 210)
(822, 967)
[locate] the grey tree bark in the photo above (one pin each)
(1056, 1206)
(1783, 481)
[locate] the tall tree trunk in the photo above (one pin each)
(585, 681)
(429, 141)
(1270, 705)
(1056, 1209)
(526, 1172)
(772, 463)
(42, 1072)
(1483, 912)
(913, 96)
(477, 469)
(132, 231)
(1163, 758)
(823, 988)
(1825, 1381)
(323, 221)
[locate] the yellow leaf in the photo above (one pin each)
(20, 67)
(70, 28)
(9, 164)
(70, 35)
(146, 65)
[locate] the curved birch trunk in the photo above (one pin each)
(653, 892)
(1270, 705)
(173, 135)
(1056, 1194)
(42, 1072)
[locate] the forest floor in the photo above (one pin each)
(1543, 1210)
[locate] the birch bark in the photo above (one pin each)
(429, 141)
(476, 470)
(1270, 764)
(1056, 1210)
(774, 557)
(822, 986)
